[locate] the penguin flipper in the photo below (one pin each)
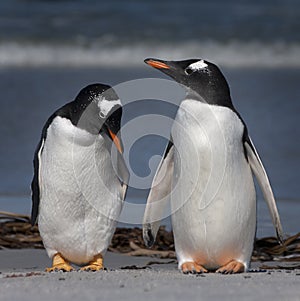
(264, 183)
(123, 174)
(35, 184)
(159, 196)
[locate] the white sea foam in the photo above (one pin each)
(232, 54)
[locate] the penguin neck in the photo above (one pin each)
(211, 98)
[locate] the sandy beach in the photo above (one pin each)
(138, 278)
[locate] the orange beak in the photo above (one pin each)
(157, 64)
(116, 141)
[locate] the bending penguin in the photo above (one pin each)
(77, 192)
(207, 174)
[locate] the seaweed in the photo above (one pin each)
(16, 232)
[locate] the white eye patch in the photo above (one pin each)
(105, 106)
(198, 65)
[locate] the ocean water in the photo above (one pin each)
(49, 50)
(123, 33)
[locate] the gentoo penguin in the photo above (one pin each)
(206, 172)
(77, 194)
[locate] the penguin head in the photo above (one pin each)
(98, 110)
(202, 80)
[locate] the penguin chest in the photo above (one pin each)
(80, 196)
(213, 194)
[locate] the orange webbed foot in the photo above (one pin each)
(192, 268)
(94, 265)
(232, 267)
(59, 264)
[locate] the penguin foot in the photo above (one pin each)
(232, 267)
(59, 264)
(95, 265)
(193, 268)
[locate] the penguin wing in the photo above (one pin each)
(263, 181)
(35, 184)
(159, 196)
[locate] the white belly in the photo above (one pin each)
(213, 198)
(80, 195)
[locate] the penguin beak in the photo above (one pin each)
(116, 141)
(112, 125)
(158, 64)
(171, 68)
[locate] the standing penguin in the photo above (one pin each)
(206, 173)
(77, 194)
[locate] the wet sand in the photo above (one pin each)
(138, 278)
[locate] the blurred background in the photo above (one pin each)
(49, 50)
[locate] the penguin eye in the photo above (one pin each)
(102, 115)
(188, 71)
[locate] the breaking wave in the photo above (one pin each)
(232, 54)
